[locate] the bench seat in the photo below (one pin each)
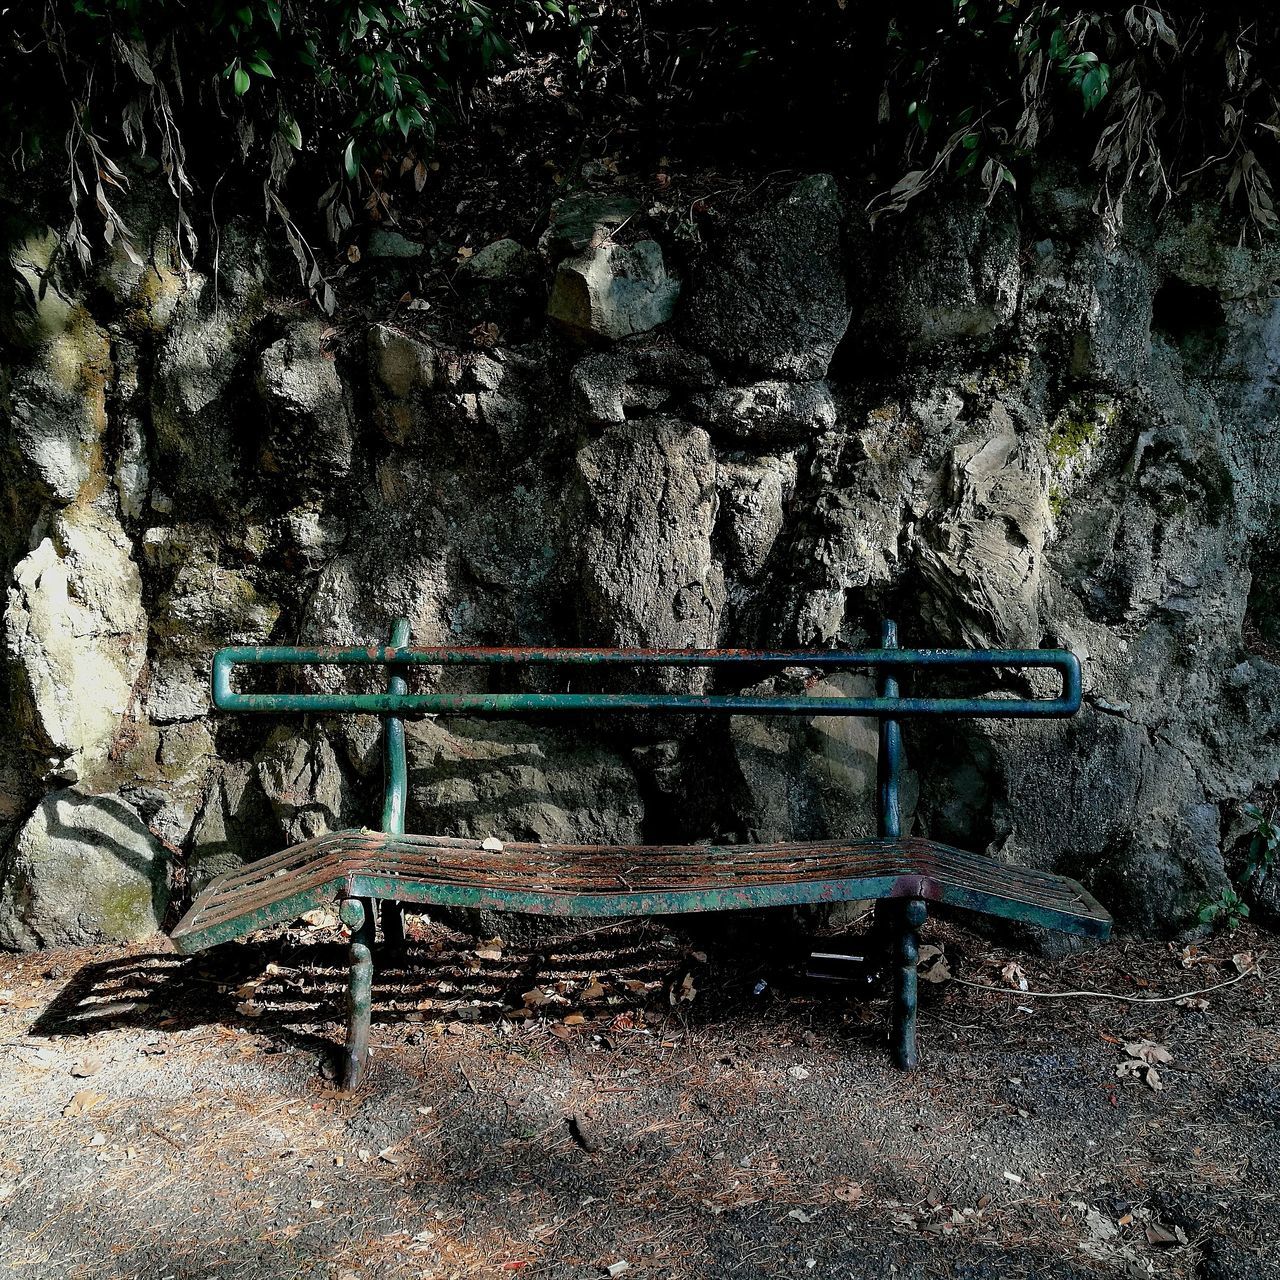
(591, 880)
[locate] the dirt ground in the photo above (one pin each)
(633, 1100)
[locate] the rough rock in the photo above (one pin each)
(169, 788)
(200, 363)
(84, 870)
(773, 299)
(75, 634)
(647, 572)
(501, 260)
(393, 244)
(610, 386)
(520, 782)
(300, 776)
(200, 605)
(309, 439)
(235, 826)
(133, 471)
(980, 545)
(768, 412)
(848, 541)
(614, 291)
(956, 276)
(583, 220)
(403, 371)
(811, 779)
(754, 492)
(1112, 343)
(57, 398)
(33, 308)
(1032, 434)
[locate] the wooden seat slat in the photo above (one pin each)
(644, 879)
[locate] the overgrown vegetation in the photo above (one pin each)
(355, 90)
(342, 100)
(1229, 909)
(1159, 93)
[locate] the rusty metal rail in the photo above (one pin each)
(887, 660)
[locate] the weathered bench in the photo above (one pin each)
(356, 868)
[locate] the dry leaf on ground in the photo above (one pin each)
(83, 1102)
(1148, 1051)
(1145, 1056)
(682, 990)
(933, 965)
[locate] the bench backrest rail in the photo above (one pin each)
(887, 705)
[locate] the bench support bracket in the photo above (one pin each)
(905, 917)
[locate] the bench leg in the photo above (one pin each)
(392, 925)
(905, 1053)
(359, 920)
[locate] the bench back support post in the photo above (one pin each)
(395, 800)
(889, 759)
(395, 765)
(897, 922)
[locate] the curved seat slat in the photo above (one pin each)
(586, 880)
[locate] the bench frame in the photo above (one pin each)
(901, 905)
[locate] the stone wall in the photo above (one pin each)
(989, 423)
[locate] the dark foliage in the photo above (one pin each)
(346, 97)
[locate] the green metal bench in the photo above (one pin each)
(354, 869)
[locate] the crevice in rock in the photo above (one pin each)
(1186, 313)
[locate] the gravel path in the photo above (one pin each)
(626, 1099)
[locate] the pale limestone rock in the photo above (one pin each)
(75, 632)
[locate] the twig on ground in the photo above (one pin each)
(1254, 970)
